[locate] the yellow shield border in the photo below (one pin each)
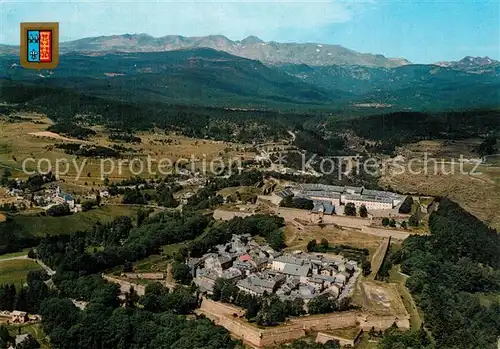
(25, 26)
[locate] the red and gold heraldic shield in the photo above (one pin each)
(45, 46)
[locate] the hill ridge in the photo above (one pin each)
(252, 47)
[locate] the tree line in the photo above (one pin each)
(395, 129)
(25, 298)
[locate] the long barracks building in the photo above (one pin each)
(332, 195)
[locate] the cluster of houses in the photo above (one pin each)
(259, 269)
(52, 196)
(327, 197)
(18, 317)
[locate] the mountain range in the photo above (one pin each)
(251, 73)
(213, 78)
(478, 65)
(251, 47)
(197, 77)
(271, 52)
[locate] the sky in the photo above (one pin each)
(420, 31)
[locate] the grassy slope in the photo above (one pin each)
(400, 279)
(69, 224)
(16, 145)
(15, 271)
(15, 254)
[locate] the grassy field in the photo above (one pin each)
(476, 189)
(347, 332)
(242, 190)
(379, 297)
(173, 248)
(378, 257)
(15, 271)
(94, 249)
(33, 329)
(297, 239)
(229, 191)
(27, 139)
(15, 254)
(42, 226)
(154, 263)
(487, 299)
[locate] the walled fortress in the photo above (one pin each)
(228, 316)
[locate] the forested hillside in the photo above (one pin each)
(452, 274)
(206, 77)
(70, 108)
(66, 106)
(105, 325)
(415, 87)
(202, 77)
(395, 129)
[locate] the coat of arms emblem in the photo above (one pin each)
(39, 45)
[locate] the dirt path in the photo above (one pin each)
(379, 256)
(14, 258)
(49, 271)
(170, 277)
(125, 286)
(56, 136)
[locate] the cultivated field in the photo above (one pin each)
(15, 271)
